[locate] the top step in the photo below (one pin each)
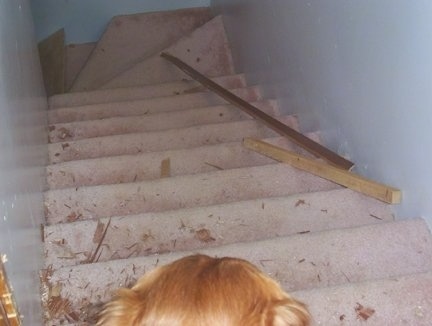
(129, 39)
(206, 49)
(102, 96)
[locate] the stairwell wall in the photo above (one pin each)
(359, 71)
(23, 155)
(84, 21)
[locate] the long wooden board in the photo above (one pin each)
(298, 138)
(345, 178)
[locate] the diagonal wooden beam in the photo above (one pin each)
(345, 178)
(269, 121)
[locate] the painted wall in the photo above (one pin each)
(360, 71)
(23, 155)
(84, 20)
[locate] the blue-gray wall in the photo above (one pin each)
(23, 156)
(360, 71)
(85, 20)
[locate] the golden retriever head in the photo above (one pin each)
(203, 291)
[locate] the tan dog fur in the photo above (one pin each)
(203, 291)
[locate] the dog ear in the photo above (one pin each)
(291, 313)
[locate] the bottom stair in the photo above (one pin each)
(323, 266)
(403, 300)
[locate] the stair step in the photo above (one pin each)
(153, 122)
(147, 166)
(68, 244)
(161, 140)
(147, 106)
(131, 38)
(299, 262)
(206, 49)
(66, 205)
(404, 300)
(185, 85)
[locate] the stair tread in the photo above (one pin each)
(136, 143)
(130, 38)
(139, 92)
(298, 262)
(179, 192)
(147, 106)
(147, 166)
(70, 131)
(403, 300)
(68, 244)
(206, 49)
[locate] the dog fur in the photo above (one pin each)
(203, 291)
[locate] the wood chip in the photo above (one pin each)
(165, 168)
(214, 166)
(58, 307)
(204, 235)
(98, 232)
(147, 236)
(374, 216)
(42, 232)
(95, 253)
(363, 313)
(72, 217)
(64, 133)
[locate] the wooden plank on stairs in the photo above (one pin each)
(269, 121)
(166, 168)
(345, 178)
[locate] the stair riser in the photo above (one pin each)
(305, 261)
(179, 192)
(136, 168)
(142, 107)
(159, 141)
(229, 223)
(152, 122)
(131, 38)
(139, 93)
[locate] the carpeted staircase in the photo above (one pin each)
(146, 167)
